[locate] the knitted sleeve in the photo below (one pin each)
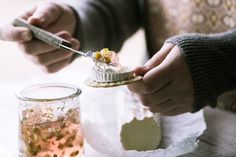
(105, 23)
(212, 63)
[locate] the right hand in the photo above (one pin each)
(55, 18)
(167, 84)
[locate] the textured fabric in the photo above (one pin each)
(212, 63)
(165, 18)
(211, 59)
(106, 23)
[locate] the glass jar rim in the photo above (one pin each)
(21, 96)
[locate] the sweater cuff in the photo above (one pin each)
(206, 56)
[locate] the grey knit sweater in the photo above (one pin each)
(212, 63)
(211, 58)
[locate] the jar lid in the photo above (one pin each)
(48, 92)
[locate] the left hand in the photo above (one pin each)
(167, 85)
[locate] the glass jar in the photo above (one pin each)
(49, 126)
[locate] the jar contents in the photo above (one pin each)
(40, 136)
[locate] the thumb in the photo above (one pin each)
(156, 60)
(140, 70)
(45, 15)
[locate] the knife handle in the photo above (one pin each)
(42, 35)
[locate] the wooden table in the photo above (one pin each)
(219, 140)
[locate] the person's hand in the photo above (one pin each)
(56, 18)
(167, 85)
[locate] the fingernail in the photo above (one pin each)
(36, 20)
(26, 36)
(42, 19)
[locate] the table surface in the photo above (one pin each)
(219, 139)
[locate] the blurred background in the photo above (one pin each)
(13, 63)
